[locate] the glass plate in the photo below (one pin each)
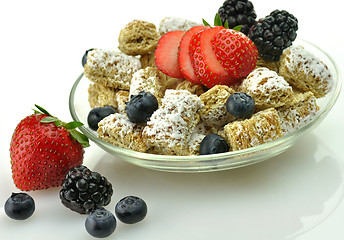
(79, 109)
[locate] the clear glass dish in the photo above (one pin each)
(79, 109)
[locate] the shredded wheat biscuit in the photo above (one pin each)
(305, 71)
(194, 143)
(119, 131)
(100, 96)
(301, 111)
(110, 68)
(169, 24)
(183, 84)
(138, 38)
(214, 113)
(274, 66)
(122, 97)
(267, 88)
(262, 127)
(147, 80)
(170, 127)
(168, 82)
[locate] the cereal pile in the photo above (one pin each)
(284, 93)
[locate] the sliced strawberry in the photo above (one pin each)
(236, 52)
(166, 54)
(184, 58)
(208, 69)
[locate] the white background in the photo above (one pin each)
(296, 195)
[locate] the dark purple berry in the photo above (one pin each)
(19, 206)
(100, 223)
(273, 34)
(84, 191)
(240, 105)
(131, 210)
(212, 144)
(238, 12)
(84, 57)
(98, 114)
(141, 107)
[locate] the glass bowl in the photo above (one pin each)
(79, 109)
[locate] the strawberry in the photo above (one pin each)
(43, 149)
(184, 58)
(166, 54)
(207, 68)
(236, 52)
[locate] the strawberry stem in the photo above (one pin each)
(70, 127)
(218, 22)
(41, 110)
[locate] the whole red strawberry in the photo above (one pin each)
(43, 149)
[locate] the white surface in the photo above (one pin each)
(297, 195)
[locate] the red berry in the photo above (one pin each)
(236, 52)
(42, 153)
(184, 58)
(166, 54)
(207, 68)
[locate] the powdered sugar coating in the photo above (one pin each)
(111, 68)
(169, 24)
(147, 80)
(309, 63)
(301, 112)
(170, 127)
(306, 71)
(267, 88)
(104, 58)
(118, 130)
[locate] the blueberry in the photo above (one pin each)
(240, 105)
(141, 107)
(100, 223)
(213, 143)
(19, 206)
(97, 114)
(131, 210)
(84, 58)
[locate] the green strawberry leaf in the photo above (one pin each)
(70, 127)
(205, 23)
(41, 110)
(237, 28)
(73, 125)
(226, 24)
(49, 120)
(78, 136)
(217, 20)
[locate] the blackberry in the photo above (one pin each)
(84, 191)
(273, 34)
(238, 12)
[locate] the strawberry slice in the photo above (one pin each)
(208, 69)
(184, 58)
(166, 54)
(236, 52)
